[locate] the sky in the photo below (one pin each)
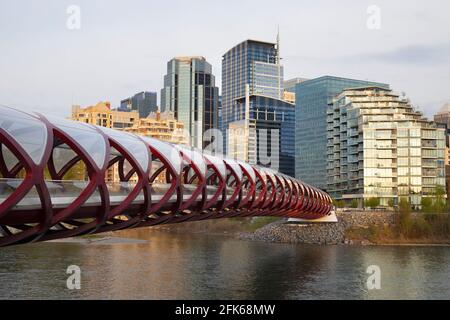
(122, 47)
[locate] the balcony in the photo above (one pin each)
(429, 155)
(429, 164)
(352, 133)
(428, 172)
(387, 156)
(386, 146)
(429, 144)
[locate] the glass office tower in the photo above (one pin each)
(142, 102)
(253, 63)
(267, 137)
(289, 85)
(312, 98)
(190, 93)
(219, 115)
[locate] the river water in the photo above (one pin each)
(164, 265)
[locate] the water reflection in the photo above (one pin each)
(187, 266)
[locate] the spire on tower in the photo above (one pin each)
(278, 44)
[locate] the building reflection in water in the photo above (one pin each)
(194, 266)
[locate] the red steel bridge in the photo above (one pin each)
(156, 182)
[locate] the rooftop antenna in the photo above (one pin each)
(280, 84)
(278, 44)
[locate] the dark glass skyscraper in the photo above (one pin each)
(190, 92)
(312, 99)
(143, 102)
(219, 115)
(268, 133)
(251, 62)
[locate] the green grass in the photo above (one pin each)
(259, 222)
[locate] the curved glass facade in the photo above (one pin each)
(312, 98)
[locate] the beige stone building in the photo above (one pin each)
(161, 126)
(289, 96)
(101, 114)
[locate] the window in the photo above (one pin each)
(402, 162)
(402, 152)
(414, 142)
(415, 152)
(402, 142)
(416, 181)
(416, 161)
(383, 134)
(414, 133)
(369, 143)
(402, 132)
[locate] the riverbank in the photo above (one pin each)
(232, 227)
(354, 227)
(357, 227)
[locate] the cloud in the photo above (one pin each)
(411, 55)
(417, 55)
(122, 49)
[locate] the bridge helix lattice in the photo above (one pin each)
(61, 178)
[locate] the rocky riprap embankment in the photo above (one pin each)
(319, 233)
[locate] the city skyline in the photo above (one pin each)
(259, 152)
(104, 60)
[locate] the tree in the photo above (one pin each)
(439, 191)
(404, 217)
(427, 204)
(439, 204)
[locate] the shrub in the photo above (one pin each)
(372, 202)
(421, 228)
(354, 203)
(430, 217)
(439, 206)
(439, 223)
(374, 233)
(447, 231)
(338, 203)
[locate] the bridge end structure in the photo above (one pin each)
(330, 218)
